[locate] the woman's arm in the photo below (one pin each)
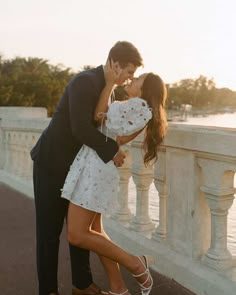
(103, 102)
(125, 139)
(111, 72)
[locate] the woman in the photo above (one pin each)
(92, 186)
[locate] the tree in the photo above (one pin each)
(196, 92)
(32, 82)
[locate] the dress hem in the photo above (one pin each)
(79, 205)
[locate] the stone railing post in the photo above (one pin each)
(2, 149)
(15, 153)
(19, 154)
(9, 163)
(160, 184)
(25, 143)
(123, 213)
(219, 190)
(143, 177)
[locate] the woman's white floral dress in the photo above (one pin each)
(91, 183)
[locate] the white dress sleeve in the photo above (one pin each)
(127, 117)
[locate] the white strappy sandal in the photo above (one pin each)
(126, 291)
(148, 260)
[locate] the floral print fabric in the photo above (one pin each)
(91, 183)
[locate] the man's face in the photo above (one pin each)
(127, 73)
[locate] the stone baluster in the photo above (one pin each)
(23, 162)
(2, 148)
(14, 150)
(160, 184)
(32, 142)
(27, 159)
(9, 149)
(19, 157)
(7, 139)
(10, 159)
(6, 151)
(123, 213)
(219, 191)
(143, 177)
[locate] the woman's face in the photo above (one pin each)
(134, 88)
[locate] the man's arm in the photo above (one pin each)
(82, 101)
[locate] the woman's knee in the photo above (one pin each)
(78, 228)
(76, 239)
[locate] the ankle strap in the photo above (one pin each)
(141, 274)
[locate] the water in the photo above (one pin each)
(222, 120)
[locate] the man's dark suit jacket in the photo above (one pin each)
(72, 125)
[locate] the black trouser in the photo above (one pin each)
(51, 211)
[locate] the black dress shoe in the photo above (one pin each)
(91, 290)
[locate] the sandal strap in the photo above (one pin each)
(149, 277)
(141, 274)
(145, 266)
(147, 272)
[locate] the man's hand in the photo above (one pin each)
(119, 158)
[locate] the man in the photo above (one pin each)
(72, 126)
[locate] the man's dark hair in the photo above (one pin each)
(125, 52)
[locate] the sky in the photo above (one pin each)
(177, 39)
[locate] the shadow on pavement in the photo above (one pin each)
(17, 254)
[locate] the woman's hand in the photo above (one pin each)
(112, 71)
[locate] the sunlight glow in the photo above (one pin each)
(177, 39)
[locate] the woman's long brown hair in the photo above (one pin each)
(154, 92)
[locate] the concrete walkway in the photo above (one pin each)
(17, 254)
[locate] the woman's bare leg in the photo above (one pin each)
(80, 233)
(112, 268)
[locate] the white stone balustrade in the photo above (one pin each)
(123, 213)
(219, 191)
(142, 177)
(194, 179)
(20, 128)
(160, 184)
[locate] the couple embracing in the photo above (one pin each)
(75, 170)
